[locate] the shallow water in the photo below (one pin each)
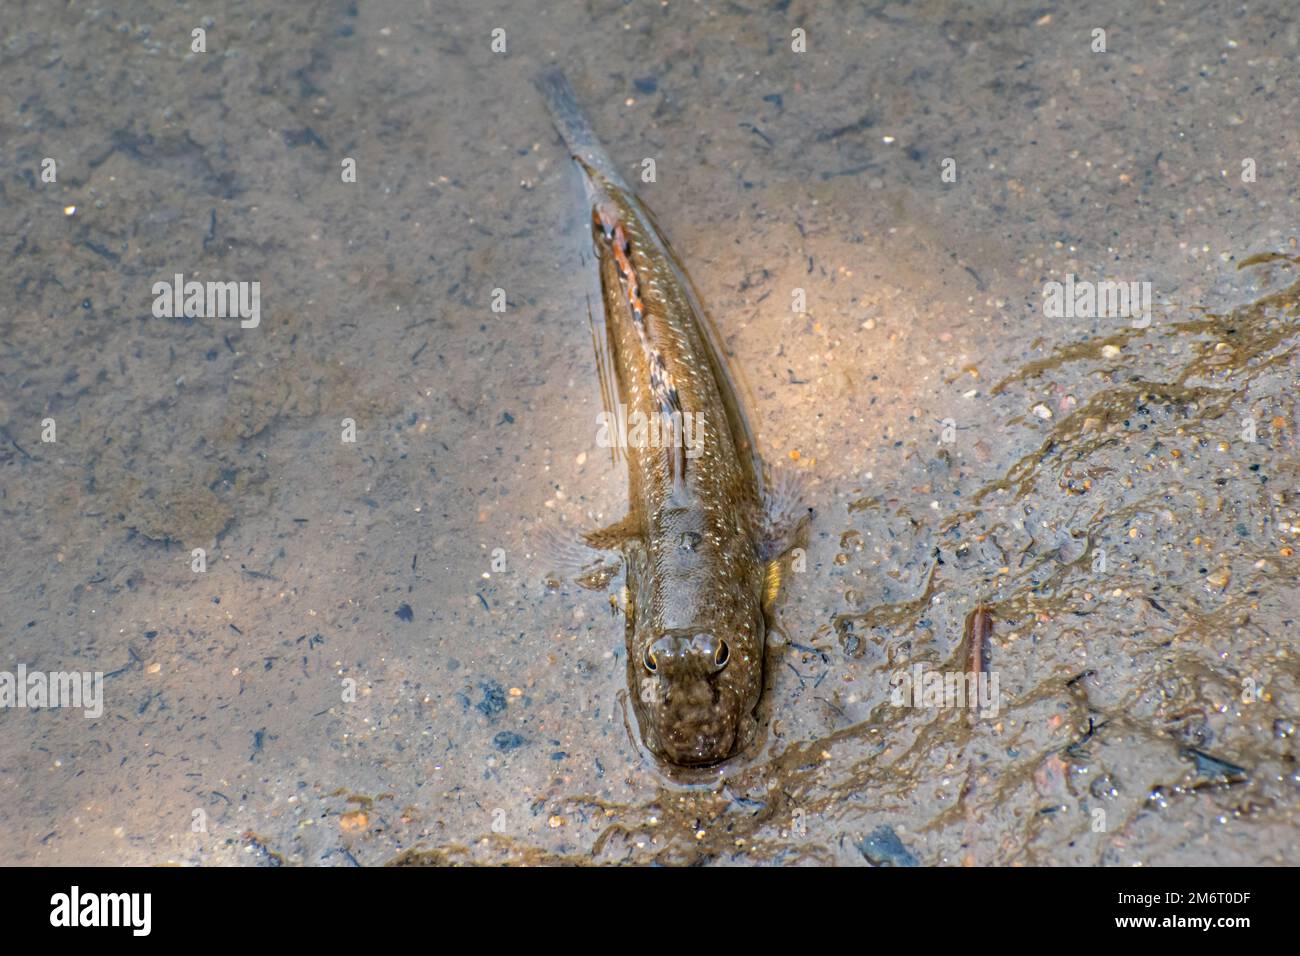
(354, 679)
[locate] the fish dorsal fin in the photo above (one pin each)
(729, 385)
(606, 371)
(601, 179)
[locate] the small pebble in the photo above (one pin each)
(354, 821)
(1219, 579)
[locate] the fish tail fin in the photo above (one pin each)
(571, 123)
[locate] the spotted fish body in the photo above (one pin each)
(692, 543)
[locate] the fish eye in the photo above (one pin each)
(651, 664)
(722, 654)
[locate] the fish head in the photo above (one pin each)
(696, 687)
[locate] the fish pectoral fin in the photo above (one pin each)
(784, 532)
(615, 535)
(566, 557)
(785, 515)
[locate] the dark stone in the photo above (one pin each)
(883, 848)
(507, 741)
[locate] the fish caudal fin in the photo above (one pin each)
(572, 125)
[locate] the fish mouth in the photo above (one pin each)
(687, 748)
(701, 763)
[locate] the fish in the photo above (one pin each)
(702, 546)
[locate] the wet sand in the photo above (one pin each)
(371, 668)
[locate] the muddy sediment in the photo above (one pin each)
(371, 668)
